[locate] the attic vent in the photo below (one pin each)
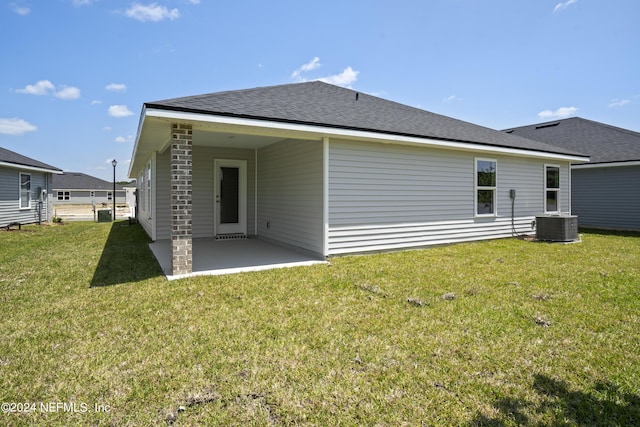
(357, 95)
(548, 125)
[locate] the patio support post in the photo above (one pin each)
(181, 197)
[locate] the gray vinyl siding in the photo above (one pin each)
(384, 197)
(10, 197)
(203, 187)
(161, 188)
(607, 197)
(290, 194)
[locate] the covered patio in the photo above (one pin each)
(217, 257)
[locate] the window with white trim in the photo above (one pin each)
(92, 194)
(486, 183)
(64, 195)
(25, 190)
(552, 188)
(109, 195)
(142, 194)
(148, 190)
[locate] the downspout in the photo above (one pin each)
(570, 191)
(255, 192)
(40, 200)
(325, 196)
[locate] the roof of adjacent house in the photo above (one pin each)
(603, 142)
(81, 181)
(323, 104)
(12, 158)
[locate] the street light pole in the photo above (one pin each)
(114, 163)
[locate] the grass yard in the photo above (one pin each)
(498, 333)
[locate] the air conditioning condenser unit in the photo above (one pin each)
(557, 228)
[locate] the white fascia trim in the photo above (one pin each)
(606, 165)
(29, 168)
(143, 113)
(325, 131)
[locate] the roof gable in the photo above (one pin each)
(603, 142)
(81, 181)
(323, 104)
(13, 158)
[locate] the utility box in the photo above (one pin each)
(104, 215)
(557, 228)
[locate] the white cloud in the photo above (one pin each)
(152, 12)
(116, 87)
(194, 1)
(119, 111)
(619, 103)
(107, 128)
(123, 139)
(15, 126)
(562, 6)
(42, 87)
(451, 98)
(96, 102)
(20, 10)
(345, 78)
(82, 2)
(560, 113)
(67, 92)
(45, 87)
(309, 66)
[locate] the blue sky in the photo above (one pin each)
(75, 73)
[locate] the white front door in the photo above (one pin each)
(230, 196)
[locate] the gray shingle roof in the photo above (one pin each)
(604, 143)
(8, 156)
(81, 181)
(323, 104)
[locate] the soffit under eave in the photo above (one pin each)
(154, 135)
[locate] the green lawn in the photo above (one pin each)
(496, 333)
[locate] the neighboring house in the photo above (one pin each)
(25, 189)
(333, 171)
(605, 192)
(75, 188)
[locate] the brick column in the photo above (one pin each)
(181, 172)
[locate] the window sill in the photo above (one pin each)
(493, 215)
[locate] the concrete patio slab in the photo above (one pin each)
(213, 257)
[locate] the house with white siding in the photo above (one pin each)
(330, 171)
(606, 191)
(25, 189)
